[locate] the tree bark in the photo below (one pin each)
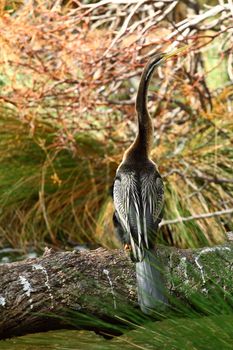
(63, 289)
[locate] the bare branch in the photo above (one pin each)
(197, 217)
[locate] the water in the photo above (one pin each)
(8, 255)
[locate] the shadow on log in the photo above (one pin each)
(52, 291)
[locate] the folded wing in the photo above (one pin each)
(138, 200)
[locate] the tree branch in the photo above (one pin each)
(38, 294)
(197, 217)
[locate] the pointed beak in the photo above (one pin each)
(175, 52)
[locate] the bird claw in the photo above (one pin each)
(127, 247)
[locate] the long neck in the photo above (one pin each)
(140, 149)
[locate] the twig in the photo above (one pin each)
(214, 179)
(199, 175)
(197, 19)
(124, 26)
(196, 217)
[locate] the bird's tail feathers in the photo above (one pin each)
(151, 290)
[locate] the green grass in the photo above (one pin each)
(208, 326)
(52, 194)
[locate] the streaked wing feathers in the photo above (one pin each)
(138, 200)
(152, 202)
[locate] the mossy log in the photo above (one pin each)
(37, 294)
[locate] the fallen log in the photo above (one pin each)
(37, 294)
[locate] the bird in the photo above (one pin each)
(138, 197)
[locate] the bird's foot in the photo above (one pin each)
(127, 247)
